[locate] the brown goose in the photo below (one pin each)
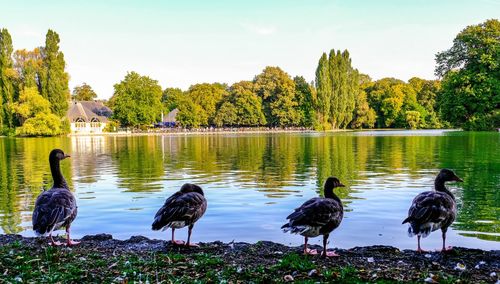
(181, 209)
(56, 207)
(317, 216)
(432, 210)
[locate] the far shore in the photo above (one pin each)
(225, 131)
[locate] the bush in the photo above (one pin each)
(41, 125)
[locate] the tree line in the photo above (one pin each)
(35, 94)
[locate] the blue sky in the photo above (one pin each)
(180, 43)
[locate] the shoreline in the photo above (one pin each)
(100, 258)
(217, 131)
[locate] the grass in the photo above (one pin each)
(20, 263)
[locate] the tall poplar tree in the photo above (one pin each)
(7, 78)
(54, 78)
(324, 91)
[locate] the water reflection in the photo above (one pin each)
(252, 181)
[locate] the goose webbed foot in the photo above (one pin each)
(54, 243)
(308, 251)
(329, 254)
(177, 242)
(195, 245)
(72, 243)
(446, 249)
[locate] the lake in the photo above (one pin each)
(253, 181)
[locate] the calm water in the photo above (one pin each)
(253, 181)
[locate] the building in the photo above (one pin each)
(88, 116)
(168, 120)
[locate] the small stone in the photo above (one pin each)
(18, 279)
(278, 252)
(119, 279)
(312, 273)
(370, 259)
(430, 280)
(493, 274)
(239, 269)
(459, 266)
(401, 262)
(288, 278)
(428, 255)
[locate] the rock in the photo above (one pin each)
(370, 259)
(288, 278)
(460, 266)
(312, 273)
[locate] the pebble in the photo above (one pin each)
(459, 266)
(288, 278)
(370, 259)
(428, 255)
(493, 274)
(312, 273)
(18, 279)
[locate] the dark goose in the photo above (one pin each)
(317, 216)
(432, 210)
(56, 207)
(183, 208)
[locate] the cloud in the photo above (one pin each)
(259, 29)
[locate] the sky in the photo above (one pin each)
(180, 43)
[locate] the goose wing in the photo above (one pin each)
(180, 207)
(316, 212)
(53, 208)
(430, 207)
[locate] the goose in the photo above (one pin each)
(183, 208)
(432, 210)
(317, 216)
(56, 207)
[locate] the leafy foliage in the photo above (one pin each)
(54, 79)
(277, 91)
(83, 92)
(7, 79)
(137, 100)
(34, 112)
(470, 96)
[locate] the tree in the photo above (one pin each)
(28, 65)
(306, 98)
(226, 115)
(470, 94)
(209, 97)
(277, 91)
(337, 85)
(136, 100)
(54, 79)
(171, 97)
(247, 103)
(364, 115)
(7, 78)
(191, 115)
(324, 90)
(83, 92)
(34, 113)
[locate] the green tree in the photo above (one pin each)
(364, 116)
(306, 98)
(247, 104)
(7, 78)
(470, 95)
(226, 115)
(324, 91)
(136, 100)
(171, 97)
(191, 115)
(54, 79)
(28, 65)
(34, 113)
(277, 91)
(84, 92)
(209, 97)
